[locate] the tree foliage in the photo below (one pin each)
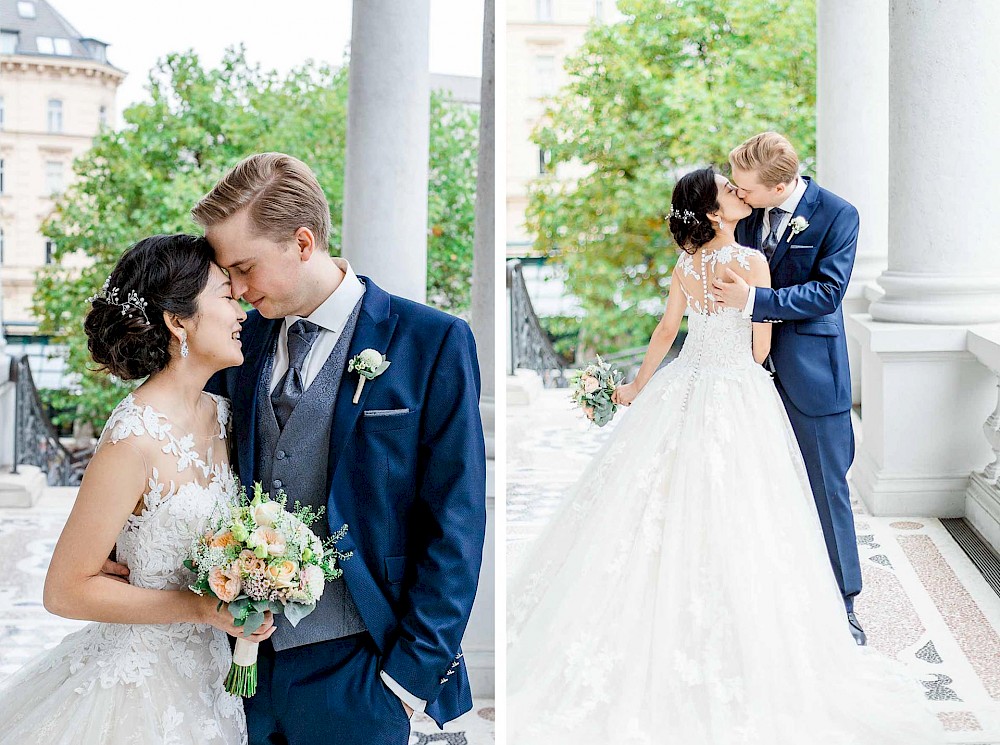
(675, 84)
(198, 123)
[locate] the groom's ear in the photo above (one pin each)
(305, 242)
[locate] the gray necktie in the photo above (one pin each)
(287, 393)
(771, 241)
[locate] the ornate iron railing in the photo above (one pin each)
(36, 441)
(530, 347)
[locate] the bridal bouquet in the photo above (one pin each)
(593, 388)
(260, 557)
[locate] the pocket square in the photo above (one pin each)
(386, 412)
(799, 246)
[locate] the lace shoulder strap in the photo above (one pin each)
(223, 413)
(128, 419)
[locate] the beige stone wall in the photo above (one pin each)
(536, 52)
(27, 148)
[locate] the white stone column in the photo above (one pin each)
(479, 643)
(925, 394)
(851, 149)
(388, 130)
(944, 105)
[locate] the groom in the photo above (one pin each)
(809, 237)
(402, 463)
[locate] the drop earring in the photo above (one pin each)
(184, 345)
(721, 225)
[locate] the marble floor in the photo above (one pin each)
(924, 602)
(27, 537)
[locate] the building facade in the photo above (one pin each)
(541, 34)
(57, 91)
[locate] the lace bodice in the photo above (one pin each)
(717, 337)
(176, 506)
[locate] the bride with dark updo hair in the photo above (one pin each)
(645, 611)
(151, 667)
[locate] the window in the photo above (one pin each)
(8, 42)
(45, 45)
(26, 9)
(63, 47)
(543, 10)
(53, 177)
(55, 115)
(2, 175)
(3, 113)
(50, 250)
(544, 161)
(545, 75)
(599, 10)
(102, 116)
(1, 245)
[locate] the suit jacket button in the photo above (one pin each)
(277, 483)
(280, 455)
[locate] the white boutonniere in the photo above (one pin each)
(369, 364)
(798, 224)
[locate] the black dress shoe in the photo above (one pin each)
(856, 631)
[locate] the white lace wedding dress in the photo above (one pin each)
(119, 684)
(682, 593)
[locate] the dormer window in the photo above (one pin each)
(45, 45)
(26, 8)
(8, 42)
(63, 47)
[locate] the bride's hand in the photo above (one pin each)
(625, 394)
(222, 619)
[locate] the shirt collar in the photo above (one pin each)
(332, 314)
(794, 198)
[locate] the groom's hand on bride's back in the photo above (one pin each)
(114, 570)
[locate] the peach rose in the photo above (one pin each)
(225, 583)
(589, 411)
(265, 514)
(590, 383)
(223, 540)
(269, 539)
(282, 573)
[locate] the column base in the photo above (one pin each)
(982, 509)
(22, 489)
(523, 387)
(925, 400)
(937, 299)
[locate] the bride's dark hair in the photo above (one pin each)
(168, 272)
(695, 195)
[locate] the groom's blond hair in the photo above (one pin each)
(769, 155)
(280, 194)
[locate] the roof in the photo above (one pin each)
(65, 41)
(457, 88)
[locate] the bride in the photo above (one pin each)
(682, 593)
(151, 669)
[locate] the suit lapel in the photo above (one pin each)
(805, 208)
(373, 331)
(245, 397)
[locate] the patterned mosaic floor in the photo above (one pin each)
(924, 603)
(27, 537)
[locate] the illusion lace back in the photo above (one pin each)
(682, 592)
(117, 684)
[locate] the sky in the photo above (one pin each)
(278, 35)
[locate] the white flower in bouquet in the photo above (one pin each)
(265, 514)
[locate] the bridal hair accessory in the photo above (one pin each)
(687, 216)
(369, 364)
(110, 295)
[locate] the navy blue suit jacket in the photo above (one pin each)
(410, 487)
(809, 276)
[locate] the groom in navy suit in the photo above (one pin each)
(809, 236)
(399, 458)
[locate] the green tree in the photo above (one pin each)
(675, 84)
(197, 123)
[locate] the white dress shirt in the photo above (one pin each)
(331, 316)
(789, 206)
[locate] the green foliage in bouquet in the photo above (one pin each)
(592, 389)
(671, 86)
(196, 123)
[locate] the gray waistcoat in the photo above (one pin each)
(296, 460)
